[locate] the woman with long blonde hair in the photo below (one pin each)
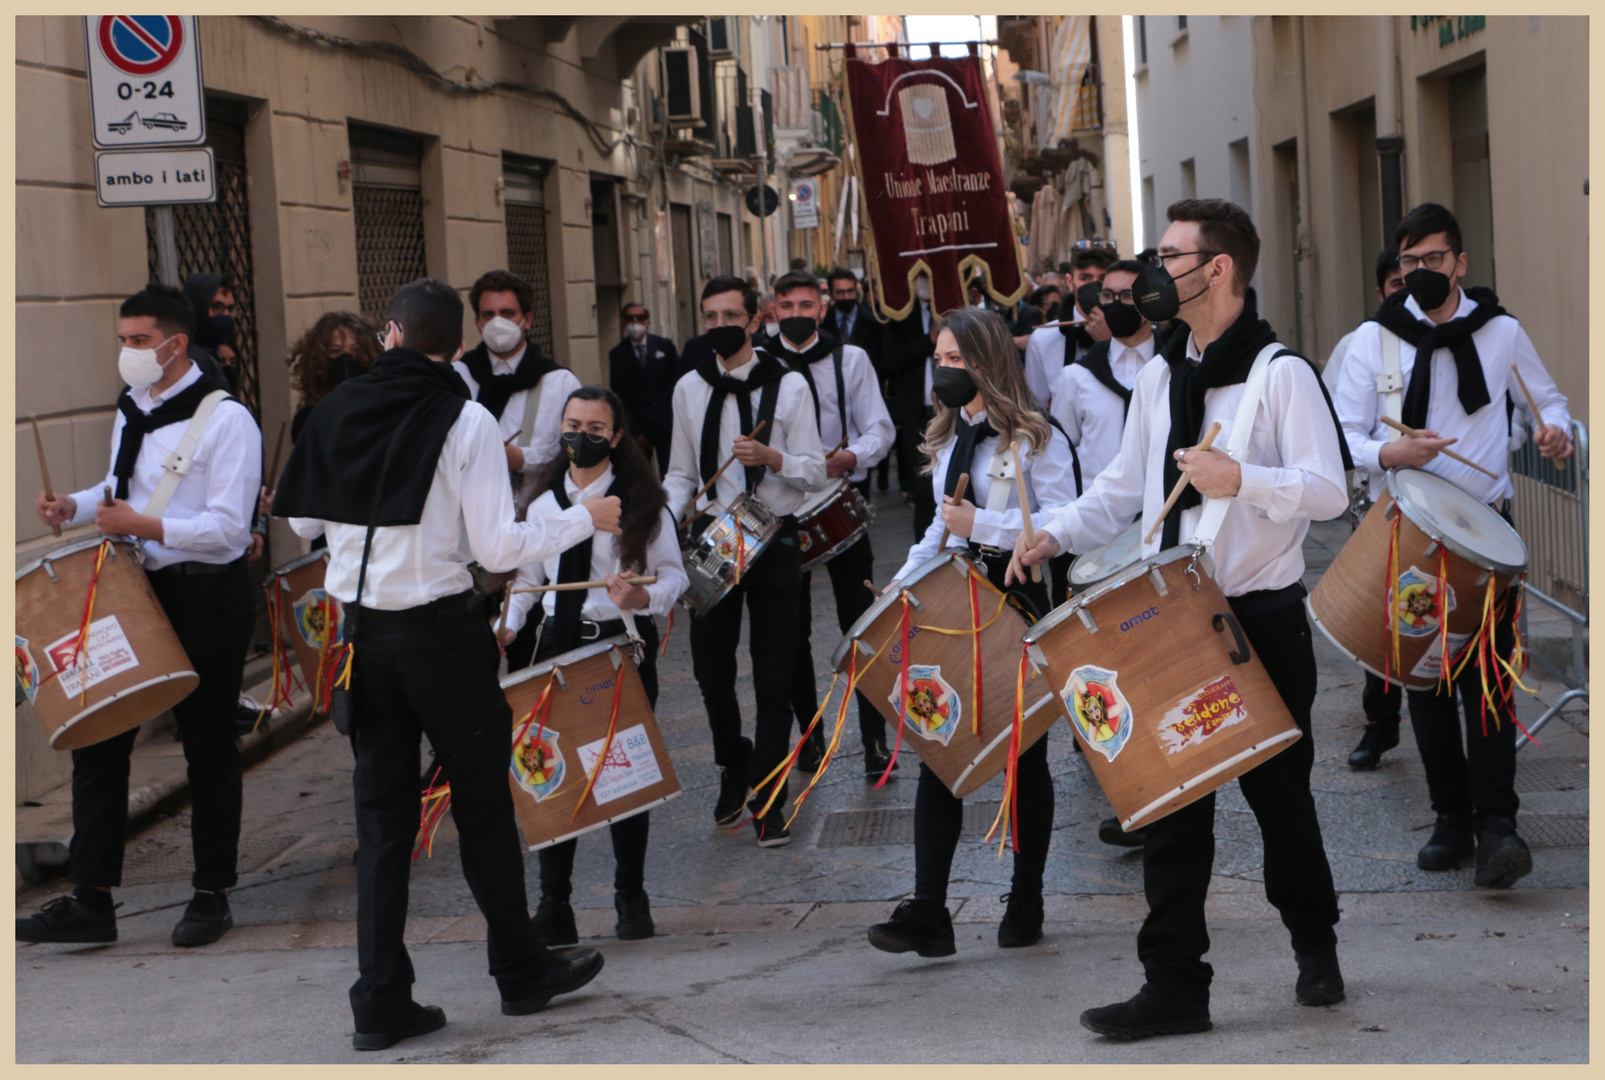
(982, 406)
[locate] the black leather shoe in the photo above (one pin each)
(812, 752)
(1110, 832)
(69, 920)
(579, 968)
(635, 915)
(1022, 921)
(1320, 980)
(733, 787)
(1502, 856)
(1374, 742)
(771, 829)
(920, 926)
(554, 923)
(876, 758)
(1145, 1016)
(205, 920)
(420, 1020)
(1451, 844)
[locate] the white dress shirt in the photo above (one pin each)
(1334, 367)
(1044, 359)
(793, 432)
(554, 389)
(1092, 414)
(869, 425)
(467, 517)
(662, 559)
(1483, 436)
(1292, 474)
(208, 519)
(1050, 481)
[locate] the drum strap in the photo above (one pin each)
(1000, 471)
(532, 405)
(1214, 514)
(1390, 384)
(177, 464)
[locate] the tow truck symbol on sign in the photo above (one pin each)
(160, 120)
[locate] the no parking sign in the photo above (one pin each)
(144, 81)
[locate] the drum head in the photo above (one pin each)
(887, 599)
(819, 499)
(1112, 558)
(1465, 524)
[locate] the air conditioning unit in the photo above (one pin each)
(682, 87)
(722, 37)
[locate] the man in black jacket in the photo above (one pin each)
(906, 346)
(642, 370)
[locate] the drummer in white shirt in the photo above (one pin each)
(847, 400)
(597, 460)
(1458, 399)
(1050, 349)
(1290, 473)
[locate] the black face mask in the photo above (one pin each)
(727, 340)
(1429, 287)
(1155, 291)
(798, 328)
(845, 306)
(220, 328)
(342, 367)
(953, 386)
(585, 449)
(1122, 319)
(1087, 297)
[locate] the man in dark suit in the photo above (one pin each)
(851, 321)
(906, 347)
(642, 372)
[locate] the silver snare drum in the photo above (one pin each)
(716, 558)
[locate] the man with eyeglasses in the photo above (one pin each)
(1052, 348)
(642, 371)
(1457, 398)
(716, 410)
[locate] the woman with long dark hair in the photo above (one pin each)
(982, 405)
(596, 458)
(339, 345)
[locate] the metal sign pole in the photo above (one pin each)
(166, 246)
(763, 179)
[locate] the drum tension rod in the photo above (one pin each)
(913, 601)
(618, 661)
(1087, 620)
(1432, 549)
(1039, 661)
(557, 673)
(1482, 579)
(863, 648)
(50, 572)
(1159, 581)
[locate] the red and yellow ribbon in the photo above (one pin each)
(607, 742)
(1009, 810)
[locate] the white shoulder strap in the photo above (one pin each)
(177, 465)
(1000, 472)
(532, 405)
(1390, 384)
(1214, 514)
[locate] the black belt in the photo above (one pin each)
(447, 609)
(1265, 601)
(195, 569)
(596, 631)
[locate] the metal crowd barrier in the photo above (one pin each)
(1550, 509)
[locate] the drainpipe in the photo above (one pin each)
(1390, 141)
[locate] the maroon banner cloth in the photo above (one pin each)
(932, 182)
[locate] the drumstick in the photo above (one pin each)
(1181, 485)
(1414, 434)
(44, 468)
(106, 490)
(278, 453)
(715, 478)
(958, 497)
(1025, 508)
(1532, 407)
(507, 599)
(870, 585)
(571, 586)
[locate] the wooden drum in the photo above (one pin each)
(307, 614)
(939, 723)
(1156, 679)
(1438, 522)
(548, 773)
(133, 667)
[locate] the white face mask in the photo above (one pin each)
(636, 331)
(140, 367)
(922, 288)
(502, 335)
(772, 329)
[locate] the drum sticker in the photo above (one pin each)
(1418, 609)
(538, 766)
(805, 540)
(27, 670)
(107, 654)
(311, 612)
(1430, 666)
(1217, 705)
(934, 708)
(631, 765)
(1102, 713)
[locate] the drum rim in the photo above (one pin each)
(79, 717)
(818, 500)
(573, 656)
(1135, 529)
(887, 599)
(747, 498)
(1414, 513)
(840, 546)
(1117, 580)
(305, 560)
(74, 548)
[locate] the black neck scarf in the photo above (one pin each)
(966, 437)
(1096, 360)
(1454, 335)
(1076, 338)
(137, 424)
(573, 565)
(337, 463)
(800, 362)
(766, 377)
(496, 390)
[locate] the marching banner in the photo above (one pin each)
(931, 180)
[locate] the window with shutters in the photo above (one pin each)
(387, 200)
(524, 202)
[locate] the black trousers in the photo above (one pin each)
(1381, 701)
(629, 835)
(848, 572)
(432, 670)
(1477, 777)
(768, 591)
(939, 814)
(1180, 850)
(214, 616)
